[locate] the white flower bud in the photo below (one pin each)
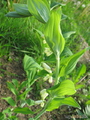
(50, 79)
(42, 104)
(38, 102)
(46, 67)
(46, 77)
(43, 94)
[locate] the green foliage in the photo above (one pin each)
(69, 63)
(60, 93)
(66, 87)
(40, 9)
(53, 33)
(57, 102)
(24, 110)
(10, 101)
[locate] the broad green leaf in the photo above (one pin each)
(13, 118)
(68, 34)
(30, 102)
(66, 52)
(24, 110)
(12, 88)
(69, 63)
(55, 5)
(57, 102)
(80, 72)
(66, 87)
(40, 9)
(22, 9)
(8, 110)
(29, 63)
(53, 34)
(88, 102)
(31, 67)
(10, 101)
(14, 14)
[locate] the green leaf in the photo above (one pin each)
(29, 63)
(1, 116)
(15, 82)
(68, 34)
(40, 9)
(22, 85)
(55, 5)
(69, 63)
(14, 14)
(12, 88)
(8, 111)
(31, 119)
(24, 110)
(30, 102)
(63, 17)
(66, 52)
(79, 86)
(22, 9)
(22, 96)
(53, 34)
(66, 87)
(57, 102)
(80, 72)
(88, 102)
(10, 101)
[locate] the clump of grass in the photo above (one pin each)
(78, 13)
(18, 35)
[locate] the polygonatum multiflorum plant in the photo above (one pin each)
(54, 67)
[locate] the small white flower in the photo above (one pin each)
(78, 3)
(46, 77)
(42, 104)
(38, 102)
(83, 5)
(43, 94)
(48, 51)
(50, 79)
(44, 41)
(46, 67)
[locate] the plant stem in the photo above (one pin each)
(40, 114)
(57, 68)
(43, 111)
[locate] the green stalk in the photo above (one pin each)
(57, 68)
(43, 111)
(40, 114)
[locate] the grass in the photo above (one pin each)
(78, 20)
(18, 35)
